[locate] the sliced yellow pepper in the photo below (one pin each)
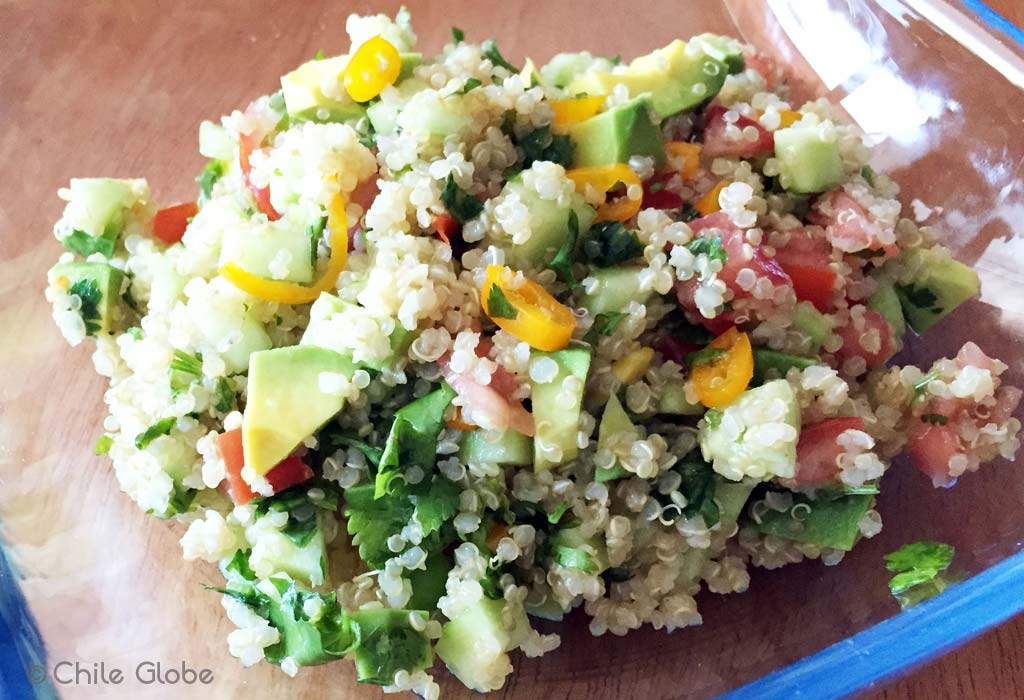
(708, 204)
(288, 292)
(575, 109)
(535, 317)
(689, 152)
(787, 117)
(602, 178)
(719, 381)
(375, 65)
(633, 365)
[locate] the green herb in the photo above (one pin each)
(373, 454)
(921, 297)
(616, 574)
(498, 305)
(574, 558)
(81, 243)
(460, 205)
(616, 59)
(540, 145)
(90, 295)
(611, 243)
(179, 502)
(213, 171)
(224, 396)
(711, 247)
(917, 563)
(319, 55)
(556, 514)
(412, 440)
(187, 364)
(698, 486)
(134, 332)
(688, 213)
(437, 506)
(934, 418)
(713, 417)
(103, 445)
(921, 385)
(490, 51)
(870, 253)
(705, 356)
(161, 427)
(469, 85)
(604, 324)
(458, 36)
(562, 262)
(315, 231)
(868, 173)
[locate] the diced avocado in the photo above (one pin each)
(98, 286)
(808, 163)
(828, 523)
(328, 310)
(813, 324)
(679, 76)
(548, 224)
(571, 549)
(215, 141)
(267, 249)
(474, 644)
(557, 405)
(274, 553)
(615, 287)
(618, 134)
(285, 404)
(939, 285)
(511, 448)
(388, 643)
(96, 213)
(303, 92)
(428, 585)
(613, 422)
(740, 440)
(886, 301)
(771, 364)
(730, 496)
(672, 400)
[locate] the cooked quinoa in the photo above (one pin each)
(604, 334)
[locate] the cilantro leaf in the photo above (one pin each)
(540, 145)
(688, 213)
(186, 363)
(470, 84)
(611, 243)
(460, 205)
(373, 454)
(868, 173)
(711, 247)
(458, 36)
(161, 427)
(371, 521)
(604, 324)
(698, 486)
(319, 55)
(498, 305)
(224, 396)
(89, 292)
(574, 558)
(213, 171)
(705, 356)
(134, 332)
(438, 505)
(413, 437)
(103, 445)
(81, 243)
(921, 297)
(315, 231)
(713, 417)
(562, 262)
(490, 51)
(920, 555)
(934, 418)
(556, 514)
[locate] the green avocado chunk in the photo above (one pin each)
(618, 134)
(940, 284)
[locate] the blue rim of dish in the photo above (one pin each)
(891, 647)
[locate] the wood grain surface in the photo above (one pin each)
(87, 89)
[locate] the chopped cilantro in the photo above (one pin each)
(574, 558)
(557, 512)
(135, 332)
(437, 506)
(469, 85)
(458, 36)
(604, 324)
(89, 292)
(103, 444)
(934, 418)
(562, 262)
(187, 364)
(713, 417)
(711, 247)
(460, 205)
(373, 454)
(616, 574)
(211, 173)
(611, 243)
(315, 231)
(698, 486)
(868, 173)
(921, 385)
(917, 564)
(540, 145)
(688, 213)
(412, 440)
(224, 396)
(705, 356)
(319, 56)
(81, 243)
(161, 427)
(921, 297)
(490, 51)
(498, 305)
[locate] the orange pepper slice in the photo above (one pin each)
(719, 381)
(689, 152)
(787, 117)
(288, 292)
(375, 65)
(575, 109)
(456, 422)
(537, 318)
(708, 203)
(602, 178)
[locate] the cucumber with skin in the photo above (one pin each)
(557, 404)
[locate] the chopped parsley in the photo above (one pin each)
(611, 243)
(498, 305)
(868, 173)
(918, 567)
(158, 429)
(562, 262)
(490, 51)
(81, 243)
(135, 332)
(460, 205)
(315, 231)
(698, 486)
(103, 445)
(557, 512)
(224, 396)
(470, 84)
(187, 363)
(319, 55)
(211, 173)
(540, 145)
(711, 247)
(688, 213)
(921, 385)
(705, 356)
(921, 297)
(604, 324)
(89, 292)
(458, 36)
(574, 558)
(713, 417)
(934, 418)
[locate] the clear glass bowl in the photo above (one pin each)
(937, 84)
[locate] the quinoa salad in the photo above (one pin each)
(448, 345)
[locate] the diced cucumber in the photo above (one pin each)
(813, 324)
(215, 141)
(273, 552)
(511, 448)
(616, 135)
(548, 223)
(613, 422)
(222, 319)
(96, 212)
(267, 249)
(828, 523)
(167, 283)
(807, 162)
(672, 400)
(557, 405)
(886, 301)
(388, 643)
(474, 644)
(98, 286)
(771, 364)
(615, 287)
(755, 435)
(571, 549)
(428, 114)
(940, 284)
(304, 97)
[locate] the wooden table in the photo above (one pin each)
(989, 668)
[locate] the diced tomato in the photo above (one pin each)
(289, 472)
(674, 349)
(446, 227)
(763, 64)
(718, 143)
(1007, 400)
(490, 399)
(502, 381)
(657, 197)
(875, 327)
(247, 143)
(817, 451)
(737, 249)
(971, 355)
(931, 447)
(850, 228)
(806, 259)
(170, 223)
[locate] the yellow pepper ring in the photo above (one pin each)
(708, 203)
(375, 65)
(689, 153)
(288, 292)
(720, 381)
(602, 178)
(575, 109)
(540, 320)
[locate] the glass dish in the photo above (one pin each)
(939, 85)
